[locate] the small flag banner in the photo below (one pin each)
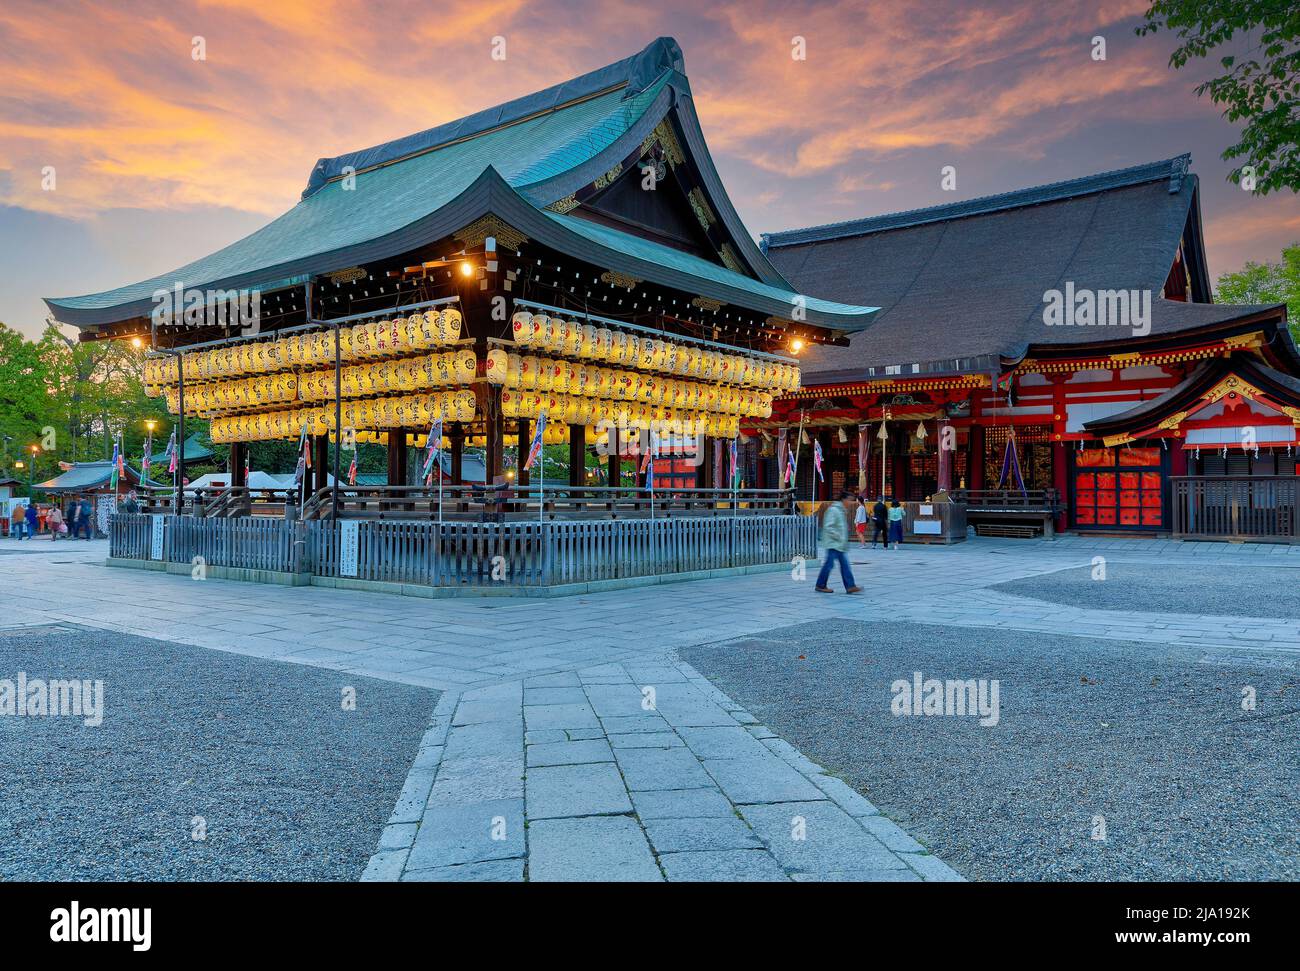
(648, 465)
(352, 469)
(535, 449)
(431, 449)
(304, 461)
(735, 463)
(144, 459)
(817, 460)
(171, 453)
(117, 462)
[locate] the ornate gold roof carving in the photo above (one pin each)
(624, 280)
(480, 229)
(567, 204)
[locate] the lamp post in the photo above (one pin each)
(31, 478)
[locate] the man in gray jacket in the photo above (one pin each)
(835, 544)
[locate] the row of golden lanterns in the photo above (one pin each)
(214, 398)
(400, 411)
(374, 339)
(528, 373)
(574, 410)
(555, 335)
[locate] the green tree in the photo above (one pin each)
(1260, 87)
(26, 408)
(1267, 283)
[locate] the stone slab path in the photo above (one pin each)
(628, 772)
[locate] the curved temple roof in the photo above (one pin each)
(512, 161)
(962, 285)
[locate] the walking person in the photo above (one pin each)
(87, 514)
(896, 524)
(54, 519)
(17, 521)
(835, 544)
(860, 521)
(33, 521)
(879, 522)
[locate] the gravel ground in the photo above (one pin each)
(1241, 591)
(292, 787)
(1154, 740)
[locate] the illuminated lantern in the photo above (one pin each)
(633, 354)
(510, 403)
(514, 364)
(559, 334)
(604, 343)
(573, 338)
(443, 369)
(465, 405)
(590, 341)
(659, 355)
(618, 349)
(521, 327)
(528, 368)
(464, 366)
(497, 363)
(646, 354)
(541, 331)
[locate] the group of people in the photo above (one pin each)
(28, 520)
(886, 519)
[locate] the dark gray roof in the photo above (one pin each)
(962, 285)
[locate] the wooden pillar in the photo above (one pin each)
(1060, 482)
(320, 461)
(613, 462)
(944, 458)
(238, 459)
(397, 457)
(525, 434)
(975, 459)
(577, 455)
(495, 436)
(457, 437)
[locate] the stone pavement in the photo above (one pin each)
(628, 772)
(548, 756)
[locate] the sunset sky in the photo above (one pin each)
(160, 158)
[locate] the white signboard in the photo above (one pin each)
(349, 547)
(156, 537)
(927, 527)
(926, 511)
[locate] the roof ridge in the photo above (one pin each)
(1174, 169)
(635, 72)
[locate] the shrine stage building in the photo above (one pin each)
(563, 268)
(1180, 419)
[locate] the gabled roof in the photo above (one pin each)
(87, 475)
(1184, 396)
(962, 285)
(524, 156)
